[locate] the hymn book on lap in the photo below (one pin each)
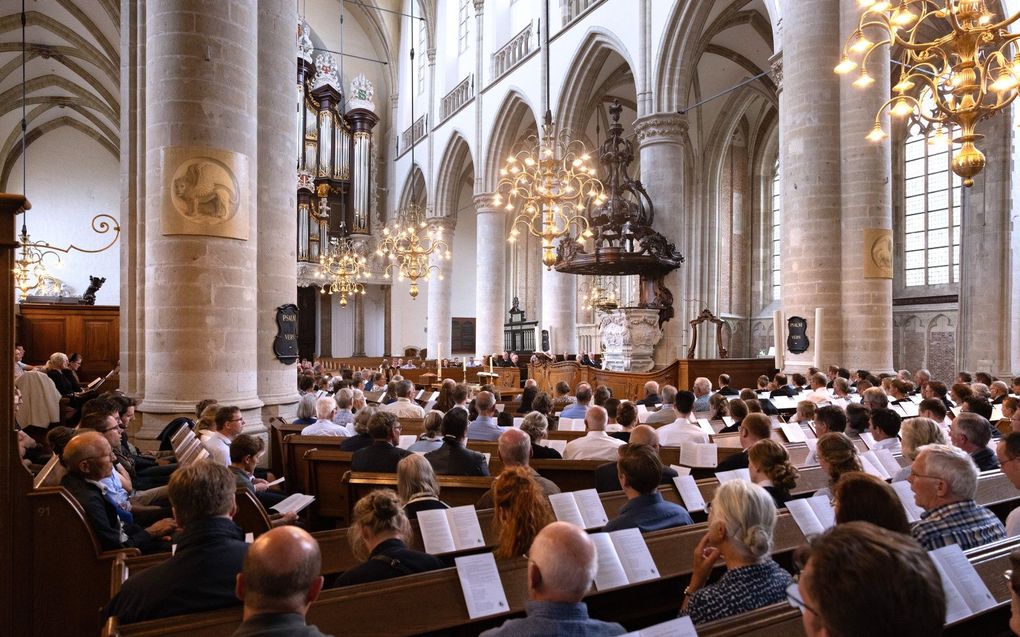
(679, 627)
(693, 454)
(793, 432)
(690, 493)
(450, 530)
(581, 508)
(479, 580)
(966, 592)
(812, 515)
(623, 558)
(736, 474)
(706, 426)
(880, 463)
(295, 503)
(558, 445)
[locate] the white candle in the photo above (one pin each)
(819, 322)
(491, 365)
(439, 361)
(780, 344)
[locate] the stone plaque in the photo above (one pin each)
(285, 345)
(797, 340)
(205, 192)
(878, 253)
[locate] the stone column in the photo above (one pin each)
(810, 164)
(325, 325)
(661, 138)
(359, 324)
(440, 291)
(490, 280)
(387, 319)
(559, 310)
(277, 199)
(867, 213)
(200, 291)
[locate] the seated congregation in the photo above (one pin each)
(716, 485)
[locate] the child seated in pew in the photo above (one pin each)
(805, 412)
(769, 465)
(379, 534)
(867, 498)
(521, 510)
(740, 526)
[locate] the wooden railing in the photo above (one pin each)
(458, 97)
(414, 133)
(511, 54)
(588, 338)
(573, 8)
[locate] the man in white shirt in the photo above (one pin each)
(596, 444)
(702, 391)
(404, 406)
(884, 425)
(681, 430)
(669, 410)
(229, 425)
(819, 393)
(325, 409)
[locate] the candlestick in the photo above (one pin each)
(778, 333)
(491, 365)
(819, 322)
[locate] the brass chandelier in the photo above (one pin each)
(343, 265)
(972, 72)
(551, 183)
(599, 293)
(408, 251)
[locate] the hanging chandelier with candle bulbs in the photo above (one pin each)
(599, 293)
(957, 50)
(408, 245)
(343, 265)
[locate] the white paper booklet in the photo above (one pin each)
(793, 432)
(906, 496)
(623, 558)
(570, 424)
(407, 441)
(276, 482)
(449, 530)
(909, 409)
(482, 587)
(580, 508)
(728, 422)
(558, 445)
(679, 627)
(518, 421)
(966, 593)
(690, 493)
(693, 454)
(294, 503)
(880, 463)
(812, 515)
(736, 474)
(706, 426)
(680, 471)
(869, 440)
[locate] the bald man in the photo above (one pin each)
(280, 580)
(606, 476)
(515, 451)
(89, 458)
(596, 444)
(561, 567)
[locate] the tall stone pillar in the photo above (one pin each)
(810, 172)
(439, 322)
(387, 291)
(277, 237)
(325, 325)
(359, 324)
(559, 310)
(867, 214)
(490, 282)
(661, 138)
(201, 308)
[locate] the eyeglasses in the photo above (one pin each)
(794, 598)
(241, 419)
(914, 474)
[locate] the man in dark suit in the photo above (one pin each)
(89, 459)
(454, 458)
(782, 387)
(607, 477)
(753, 428)
(384, 454)
(651, 398)
(724, 386)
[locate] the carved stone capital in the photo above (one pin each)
(776, 63)
(430, 53)
(660, 127)
(444, 223)
(479, 5)
(483, 202)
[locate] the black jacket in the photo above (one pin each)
(650, 401)
(277, 625)
(545, 453)
(607, 478)
(456, 460)
(734, 461)
(380, 457)
(199, 577)
(354, 443)
(389, 559)
(102, 515)
(985, 459)
(728, 391)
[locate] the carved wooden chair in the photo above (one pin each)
(707, 316)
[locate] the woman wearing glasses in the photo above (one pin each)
(740, 525)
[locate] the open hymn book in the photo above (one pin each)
(693, 454)
(296, 503)
(480, 583)
(450, 530)
(581, 508)
(880, 463)
(689, 493)
(679, 627)
(812, 515)
(623, 558)
(966, 593)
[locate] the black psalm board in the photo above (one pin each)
(285, 344)
(797, 341)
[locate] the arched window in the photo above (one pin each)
(464, 17)
(931, 219)
(421, 57)
(777, 208)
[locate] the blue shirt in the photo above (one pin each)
(649, 513)
(555, 618)
(702, 404)
(483, 428)
(575, 411)
(965, 523)
(739, 591)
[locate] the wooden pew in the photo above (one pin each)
(326, 470)
(295, 466)
(71, 583)
(454, 490)
(569, 475)
(278, 429)
(251, 515)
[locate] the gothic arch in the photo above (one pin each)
(511, 118)
(577, 101)
(456, 162)
(414, 190)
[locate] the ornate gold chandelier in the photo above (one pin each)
(600, 294)
(972, 72)
(552, 183)
(408, 252)
(30, 267)
(343, 265)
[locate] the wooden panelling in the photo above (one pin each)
(91, 330)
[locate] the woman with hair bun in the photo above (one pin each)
(379, 534)
(770, 468)
(836, 455)
(740, 525)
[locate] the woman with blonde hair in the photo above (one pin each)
(805, 412)
(207, 420)
(536, 425)
(720, 406)
(55, 367)
(740, 526)
(836, 455)
(914, 434)
(770, 468)
(432, 438)
(379, 535)
(521, 510)
(417, 486)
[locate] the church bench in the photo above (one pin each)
(454, 490)
(251, 515)
(295, 465)
(69, 568)
(569, 475)
(326, 470)
(278, 430)
(412, 426)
